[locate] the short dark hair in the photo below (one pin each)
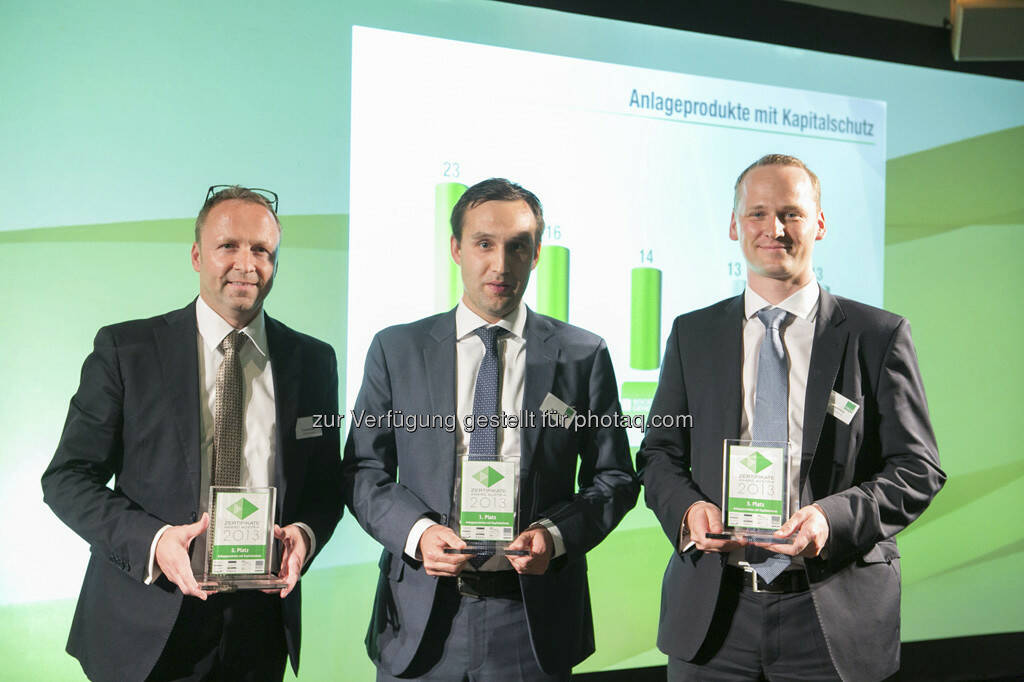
(495, 189)
(778, 160)
(233, 192)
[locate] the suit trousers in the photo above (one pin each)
(233, 636)
(758, 636)
(475, 639)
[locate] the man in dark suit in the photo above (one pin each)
(516, 618)
(149, 412)
(857, 479)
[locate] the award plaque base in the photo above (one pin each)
(242, 583)
(753, 537)
(476, 549)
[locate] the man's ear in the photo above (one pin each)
(456, 252)
(733, 233)
(820, 234)
(196, 256)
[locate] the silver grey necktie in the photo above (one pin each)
(771, 418)
(227, 415)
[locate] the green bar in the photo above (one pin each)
(645, 319)
(553, 282)
(749, 505)
(448, 279)
(467, 518)
(239, 551)
(637, 397)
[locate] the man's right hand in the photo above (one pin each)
(432, 545)
(704, 518)
(172, 555)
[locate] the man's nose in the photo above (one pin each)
(780, 228)
(500, 262)
(244, 260)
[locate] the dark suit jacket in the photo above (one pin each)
(871, 477)
(394, 477)
(136, 417)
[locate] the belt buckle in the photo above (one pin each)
(465, 588)
(749, 570)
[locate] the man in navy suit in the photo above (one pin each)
(867, 461)
(144, 414)
(516, 618)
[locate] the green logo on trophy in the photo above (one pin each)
(488, 476)
(756, 462)
(243, 508)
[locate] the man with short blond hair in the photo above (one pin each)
(825, 606)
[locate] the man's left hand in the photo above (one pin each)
(541, 546)
(811, 532)
(293, 558)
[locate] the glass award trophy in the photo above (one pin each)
(240, 541)
(755, 491)
(487, 497)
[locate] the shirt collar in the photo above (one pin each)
(802, 303)
(466, 321)
(213, 328)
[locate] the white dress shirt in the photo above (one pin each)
(469, 354)
(259, 430)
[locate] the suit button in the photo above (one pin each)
(444, 519)
(193, 517)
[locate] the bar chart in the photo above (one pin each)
(636, 205)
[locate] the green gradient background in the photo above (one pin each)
(117, 115)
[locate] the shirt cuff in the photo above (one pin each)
(685, 543)
(312, 541)
(556, 536)
(152, 568)
(412, 543)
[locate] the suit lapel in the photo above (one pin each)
(179, 367)
(726, 379)
(542, 354)
(826, 356)
(286, 368)
(439, 367)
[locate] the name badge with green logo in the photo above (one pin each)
(240, 540)
(755, 490)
